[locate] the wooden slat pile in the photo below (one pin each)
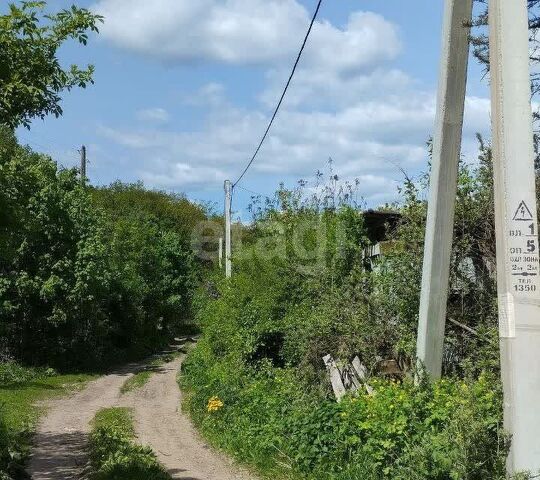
(353, 376)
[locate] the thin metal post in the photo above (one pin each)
(228, 268)
(443, 185)
(516, 230)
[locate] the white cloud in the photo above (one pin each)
(477, 113)
(189, 174)
(331, 89)
(231, 31)
(367, 40)
(159, 115)
(346, 101)
(244, 32)
(369, 140)
(209, 95)
(128, 139)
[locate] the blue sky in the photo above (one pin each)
(184, 90)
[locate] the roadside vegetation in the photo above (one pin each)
(89, 277)
(21, 390)
(301, 289)
(114, 453)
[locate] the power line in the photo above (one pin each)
(43, 138)
(253, 192)
(282, 95)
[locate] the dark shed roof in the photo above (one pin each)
(379, 224)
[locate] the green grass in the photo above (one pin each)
(115, 455)
(274, 423)
(21, 391)
(140, 379)
(19, 401)
(119, 419)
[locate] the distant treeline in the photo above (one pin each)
(88, 275)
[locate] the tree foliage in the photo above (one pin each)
(85, 277)
(31, 75)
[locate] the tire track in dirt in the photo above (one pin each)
(160, 424)
(60, 444)
(59, 450)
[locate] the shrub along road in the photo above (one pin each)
(60, 444)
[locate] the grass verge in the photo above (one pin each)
(268, 419)
(115, 455)
(140, 379)
(21, 389)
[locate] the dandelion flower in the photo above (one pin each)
(215, 404)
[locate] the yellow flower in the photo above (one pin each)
(214, 404)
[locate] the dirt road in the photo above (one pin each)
(59, 452)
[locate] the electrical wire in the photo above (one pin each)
(253, 192)
(282, 95)
(30, 136)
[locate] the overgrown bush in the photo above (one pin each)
(261, 357)
(11, 373)
(5, 444)
(14, 451)
(302, 288)
(472, 293)
(271, 419)
(22, 393)
(88, 277)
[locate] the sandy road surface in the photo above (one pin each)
(60, 443)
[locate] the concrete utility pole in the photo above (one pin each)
(83, 164)
(443, 185)
(228, 269)
(517, 230)
(220, 252)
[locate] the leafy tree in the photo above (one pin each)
(80, 283)
(31, 76)
(170, 211)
